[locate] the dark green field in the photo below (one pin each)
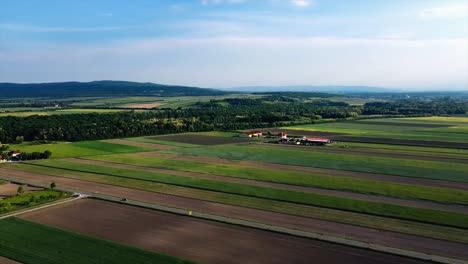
(32, 243)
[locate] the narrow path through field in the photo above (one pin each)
(140, 144)
(329, 172)
(371, 235)
(377, 153)
(366, 197)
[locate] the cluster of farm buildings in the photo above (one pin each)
(284, 139)
(11, 156)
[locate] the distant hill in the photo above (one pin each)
(100, 88)
(312, 88)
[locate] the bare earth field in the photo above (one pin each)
(10, 189)
(140, 144)
(143, 106)
(330, 172)
(196, 239)
(7, 261)
(201, 139)
(365, 197)
(371, 235)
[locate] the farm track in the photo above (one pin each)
(371, 235)
(377, 153)
(140, 144)
(312, 170)
(197, 239)
(345, 194)
(407, 142)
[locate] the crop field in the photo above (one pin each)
(403, 196)
(163, 232)
(436, 130)
(201, 139)
(29, 242)
(316, 158)
(77, 149)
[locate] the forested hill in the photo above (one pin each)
(100, 88)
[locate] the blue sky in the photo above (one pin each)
(228, 43)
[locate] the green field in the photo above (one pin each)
(33, 243)
(22, 201)
(297, 178)
(457, 130)
(435, 151)
(162, 142)
(315, 158)
(388, 210)
(392, 224)
(77, 149)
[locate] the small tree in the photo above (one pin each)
(53, 185)
(19, 139)
(20, 190)
(47, 154)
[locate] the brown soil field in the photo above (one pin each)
(371, 235)
(10, 189)
(408, 142)
(201, 139)
(143, 106)
(140, 144)
(7, 261)
(376, 152)
(358, 196)
(329, 172)
(302, 132)
(196, 239)
(403, 124)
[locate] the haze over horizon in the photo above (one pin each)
(421, 44)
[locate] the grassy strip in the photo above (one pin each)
(389, 210)
(390, 224)
(30, 242)
(404, 191)
(22, 201)
(315, 158)
(162, 142)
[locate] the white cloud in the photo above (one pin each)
(208, 2)
(47, 29)
(300, 3)
(449, 11)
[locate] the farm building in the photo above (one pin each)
(315, 141)
(282, 135)
(253, 133)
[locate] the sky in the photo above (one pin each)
(405, 44)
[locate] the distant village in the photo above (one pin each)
(282, 138)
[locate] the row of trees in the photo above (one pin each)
(226, 114)
(438, 106)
